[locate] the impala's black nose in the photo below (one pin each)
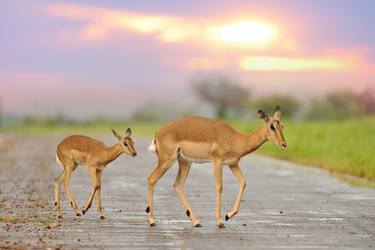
(134, 154)
(283, 145)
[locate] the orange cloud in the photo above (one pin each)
(101, 22)
(263, 63)
(243, 34)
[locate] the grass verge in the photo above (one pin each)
(345, 147)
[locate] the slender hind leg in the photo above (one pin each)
(68, 171)
(158, 172)
(58, 181)
(95, 187)
(241, 178)
(183, 172)
(98, 195)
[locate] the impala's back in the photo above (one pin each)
(196, 138)
(78, 148)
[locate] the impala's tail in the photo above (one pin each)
(58, 159)
(152, 147)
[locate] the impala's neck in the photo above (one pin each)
(112, 153)
(253, 141)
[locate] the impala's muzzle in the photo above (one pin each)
(283, 145)
(134, 154)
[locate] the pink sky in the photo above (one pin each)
(108, 59)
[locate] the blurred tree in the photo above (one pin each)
(335, 105)
(289, 104)
(222, 93)
(366, 101)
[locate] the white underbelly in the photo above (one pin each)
(193, 160)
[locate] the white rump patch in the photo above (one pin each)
(152, 147)
(58, 160)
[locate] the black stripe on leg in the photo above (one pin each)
(55, 203)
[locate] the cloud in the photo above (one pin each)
(100, 23)
(263, 63)
(272, 49)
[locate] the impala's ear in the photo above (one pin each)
(128, 133)
(278, 112)
(116, 135)
(263, 115)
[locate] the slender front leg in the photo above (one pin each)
(98, 196)
(241, 178)
(218, 170)
(68, 173)
(95, 187)
(158, 172)
(183, 172)
(58, 181)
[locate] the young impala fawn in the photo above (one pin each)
(82, 150)
(199, 139)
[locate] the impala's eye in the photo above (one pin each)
(272, 127)
(125, 144)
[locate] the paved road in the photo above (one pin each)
(285, 205)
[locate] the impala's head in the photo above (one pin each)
(126, 142)
(274, 127)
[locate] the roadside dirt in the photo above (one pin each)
(25, 200)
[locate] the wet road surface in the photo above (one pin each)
(284, 206)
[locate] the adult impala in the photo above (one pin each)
(79, 150)
(198, 139)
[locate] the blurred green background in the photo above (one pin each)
(335, 132)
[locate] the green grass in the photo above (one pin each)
(344, 147)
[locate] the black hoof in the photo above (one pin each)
(78, 214)
(226, 217)
(198, 225)
(221, 225)
(83, 212)
(147, 209)
(188, 213)
(152, 224)
(102, 217)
